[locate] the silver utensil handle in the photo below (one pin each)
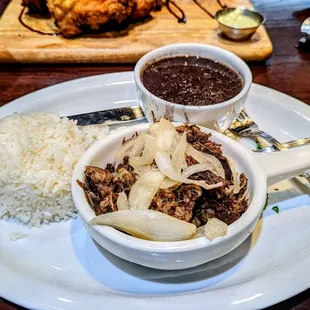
(278, 145)
(109, 117)
(298, 142)
(289, 144)
(114, 123)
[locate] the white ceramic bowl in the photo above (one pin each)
(189, 253)
(219, 116)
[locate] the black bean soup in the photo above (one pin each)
(191, 80)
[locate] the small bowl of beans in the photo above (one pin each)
(192, 83)
(238, 23)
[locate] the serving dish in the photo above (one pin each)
(237, 33)
(218, 116)
(193, 252)
(62, 267)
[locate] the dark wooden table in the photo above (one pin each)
(288, 71)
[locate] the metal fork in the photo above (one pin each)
(244, 126)
(288, 145)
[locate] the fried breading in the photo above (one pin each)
(72, 16)
(141, 9)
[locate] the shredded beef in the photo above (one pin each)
(189, 203)
(201, 142)
(228, 210)
(102, 186)
(210, 178)
(177, 202)
(191, 161)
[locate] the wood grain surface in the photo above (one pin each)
(288, 71)
(18, 44)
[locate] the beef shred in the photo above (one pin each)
(190, 203)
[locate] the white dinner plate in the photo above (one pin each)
(59, 266)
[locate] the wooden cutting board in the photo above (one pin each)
(18, 44)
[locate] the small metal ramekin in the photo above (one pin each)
(237, 33)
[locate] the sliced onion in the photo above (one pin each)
(147, 224)
(153, 128)
(138, 146)
(196, 168)
(178, 155)
(122, 202)
(148, 152)
(164, 164)
(176, 140)
(167, 182)
(215, 228)
(200, 232)
(165, 136)
(124, 150)
(140, 169)
(206, 158)
(235, 176)
(144, 190)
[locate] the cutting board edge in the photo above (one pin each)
(23, 56)
(13, 53)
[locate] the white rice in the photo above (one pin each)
(16, 235)
(38, 152)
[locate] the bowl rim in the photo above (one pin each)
(142, 62)
(216, 16)
(243, 223)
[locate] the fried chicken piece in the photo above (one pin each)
(141, 9)
(72, 16)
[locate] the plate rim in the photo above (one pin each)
(128, 77)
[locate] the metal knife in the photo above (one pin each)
(109, 117)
